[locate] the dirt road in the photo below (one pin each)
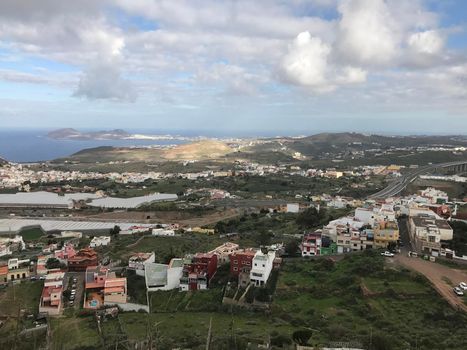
(438, 276)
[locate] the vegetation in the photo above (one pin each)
(31, 234)
(459, 240)
(356, 300)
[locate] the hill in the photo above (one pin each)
(325, 149)
(201, 150)
(208, 149)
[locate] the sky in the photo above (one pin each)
(278, 66)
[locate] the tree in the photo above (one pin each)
(310, 218)
(53, 263)
(292, 247)
(302, 336)
(115, 230)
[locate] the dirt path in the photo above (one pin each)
(437, 274)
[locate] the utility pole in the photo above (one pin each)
(208, 340)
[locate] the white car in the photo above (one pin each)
(458, 291)
(463, 286)
(388, 254)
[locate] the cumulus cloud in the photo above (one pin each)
(428, 42)
(104, 81)
(307, 64)
(367, 33)
(204, 49)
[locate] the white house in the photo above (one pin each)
(138, 261)
(99, 241)
(261, 267)
(163, 277)
(71, 234)
(292, 208)
(162, 232)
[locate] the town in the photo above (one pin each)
(82, 265)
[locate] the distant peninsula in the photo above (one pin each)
(73, 134)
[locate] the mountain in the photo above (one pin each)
(73, 134)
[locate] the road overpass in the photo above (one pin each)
(398, 185)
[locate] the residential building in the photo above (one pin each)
(385, 232)
(138, 261)
(102, 287)
(84, 258)
(67, 252)
(18, 269)
(198, 270)
(427, 232)
(3, 274)
(262, 265)
(51, 297)
(163, 232)
(41, 264)
(224, 251)
(163, 277)
(99, 241)
(311, 244)
(240, 265)
(115, 291)
(71, 234)
(434, 196)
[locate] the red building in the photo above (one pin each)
(84, 258)
(241, 261)
(311, 244)
(198, 271)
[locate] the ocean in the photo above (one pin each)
(27, 145)
(32, 145)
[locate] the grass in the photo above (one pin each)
(25, 295)
(167, 247)
(72, 333)
(344, 300)
(329, 298)
(18, 300)
(32, 234)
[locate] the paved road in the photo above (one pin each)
(401, 183)
(437, 274)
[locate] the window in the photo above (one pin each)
(235, 269)
(264, 265)
(235, 262)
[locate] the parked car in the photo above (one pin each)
(463, 286)
(73, 292)
(71, 303)
(458, 291)
(72, 298)
(42, 277)
(73, 286)
(388, 254)
(33, 278)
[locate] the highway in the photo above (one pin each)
(397, 186)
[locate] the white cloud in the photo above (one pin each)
(104, 81)
(428, 42)
(367, 33)
(307, 63)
